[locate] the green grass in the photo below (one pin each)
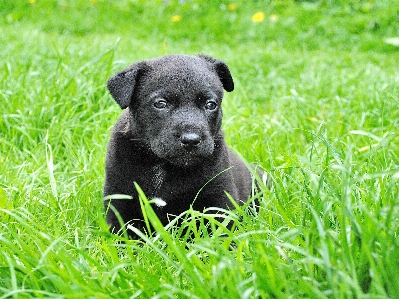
(315, 105)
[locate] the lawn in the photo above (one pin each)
(316, 105)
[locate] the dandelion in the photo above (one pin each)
(273, 17)
(258, 17)
(32, 1)
(232, 7)
(394, 41)
(176, 18)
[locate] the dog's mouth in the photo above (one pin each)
(187, 158)
(182, 155)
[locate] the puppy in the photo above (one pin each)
(169, 140)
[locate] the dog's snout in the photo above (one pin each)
(190, 140)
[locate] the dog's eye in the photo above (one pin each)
(160, 104)
(211, 105)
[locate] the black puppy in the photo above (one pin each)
(169, 139)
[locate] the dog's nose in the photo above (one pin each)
(190, 139)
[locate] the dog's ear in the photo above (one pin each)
(122, 85)
(222, 70)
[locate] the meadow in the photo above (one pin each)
(316, 105)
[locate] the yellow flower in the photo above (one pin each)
(258, 17)
(93, 1)
(176, 18)
(273, 17)
(32, 1)
(232, 7)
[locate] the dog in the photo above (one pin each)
(169, 140)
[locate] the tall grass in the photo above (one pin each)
(315, 105)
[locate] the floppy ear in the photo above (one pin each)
(222, 70)
(122, 85)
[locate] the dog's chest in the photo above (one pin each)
(173, 186)
(158, 177)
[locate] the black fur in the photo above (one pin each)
(169, 139)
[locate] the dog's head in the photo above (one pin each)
(175, 104)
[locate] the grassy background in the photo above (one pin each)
(315, 104)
